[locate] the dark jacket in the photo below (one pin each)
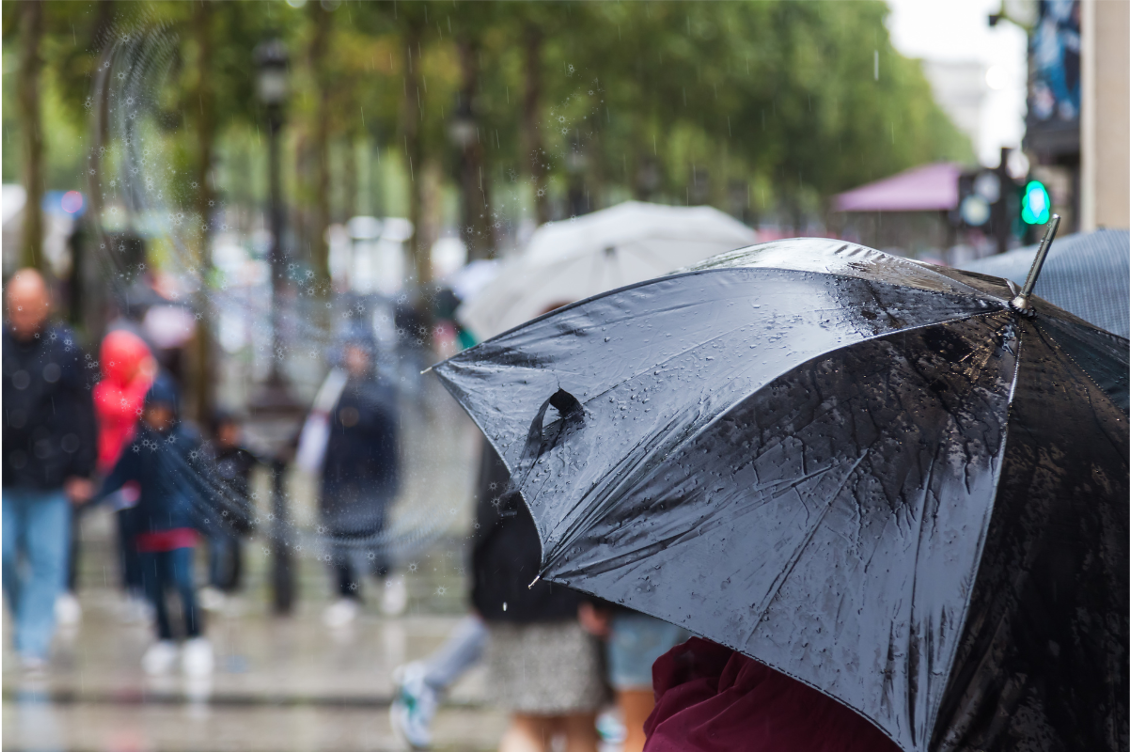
(172, 475)
(232, 470)
(507, 554)
(49, 428)
(361, 469)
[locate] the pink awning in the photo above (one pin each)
(932, 187)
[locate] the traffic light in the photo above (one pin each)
(977, 193)
(1035, 203)
(993, 203)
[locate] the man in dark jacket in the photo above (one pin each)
(49, 454)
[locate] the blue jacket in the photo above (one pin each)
(171, 472)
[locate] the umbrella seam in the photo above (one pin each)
(983, 535)
(1056, 344)
(974, 294)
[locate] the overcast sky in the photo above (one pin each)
(956, 30)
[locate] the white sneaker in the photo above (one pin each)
(68, 612)
(395, 598)
(196, 657)
(159, 658)
(211, 599)
(341, 613)
(414, 706)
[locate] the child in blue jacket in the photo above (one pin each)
(162, 469)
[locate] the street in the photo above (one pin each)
(280, 683)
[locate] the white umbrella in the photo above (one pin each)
(574, 259)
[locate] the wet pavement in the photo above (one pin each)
(286, 683)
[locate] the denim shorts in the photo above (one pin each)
(635, 642)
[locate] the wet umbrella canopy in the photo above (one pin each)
(868, 473)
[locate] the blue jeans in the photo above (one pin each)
(37, 538)
(635, 642)
(462, 650)
(165, 569)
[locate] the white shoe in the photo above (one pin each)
(159, 658)
(395, 598)
(341, 613)
(211, 599)
(413, 707)
(196, 657)
(68, 612)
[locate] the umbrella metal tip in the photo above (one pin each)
(535, 582)
(1020, 303)
(426, 370)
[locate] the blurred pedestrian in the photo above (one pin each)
(232, 520)
(633, 642)
(162, 471)
(49, 456)
(360, 480)
(421, 684)
(542, 666)
(128, 370)
(708, 697)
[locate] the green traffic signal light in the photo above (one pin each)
(1035, 203)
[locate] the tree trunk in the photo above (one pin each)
(350, 181)
(31, 249)
(89, 309)
(532, 135)
(412, 115)
(319, 45)
(205, 205)
(477, 220)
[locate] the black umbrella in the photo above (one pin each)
(871, 474)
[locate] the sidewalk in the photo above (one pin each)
(279, 683)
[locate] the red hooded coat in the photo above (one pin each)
(709, 698)
(119, 397)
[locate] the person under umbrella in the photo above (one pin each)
(543, 668)
(904, 486)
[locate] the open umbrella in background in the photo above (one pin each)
(1088, 274)
(576, 258)
(871, 474)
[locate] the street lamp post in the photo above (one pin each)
(275, 412)
(271, 86)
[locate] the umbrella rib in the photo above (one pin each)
(796, 557)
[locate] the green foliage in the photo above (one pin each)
(748, 105)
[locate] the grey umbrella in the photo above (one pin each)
(1086, 274)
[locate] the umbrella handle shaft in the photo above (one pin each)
(1021, 302)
